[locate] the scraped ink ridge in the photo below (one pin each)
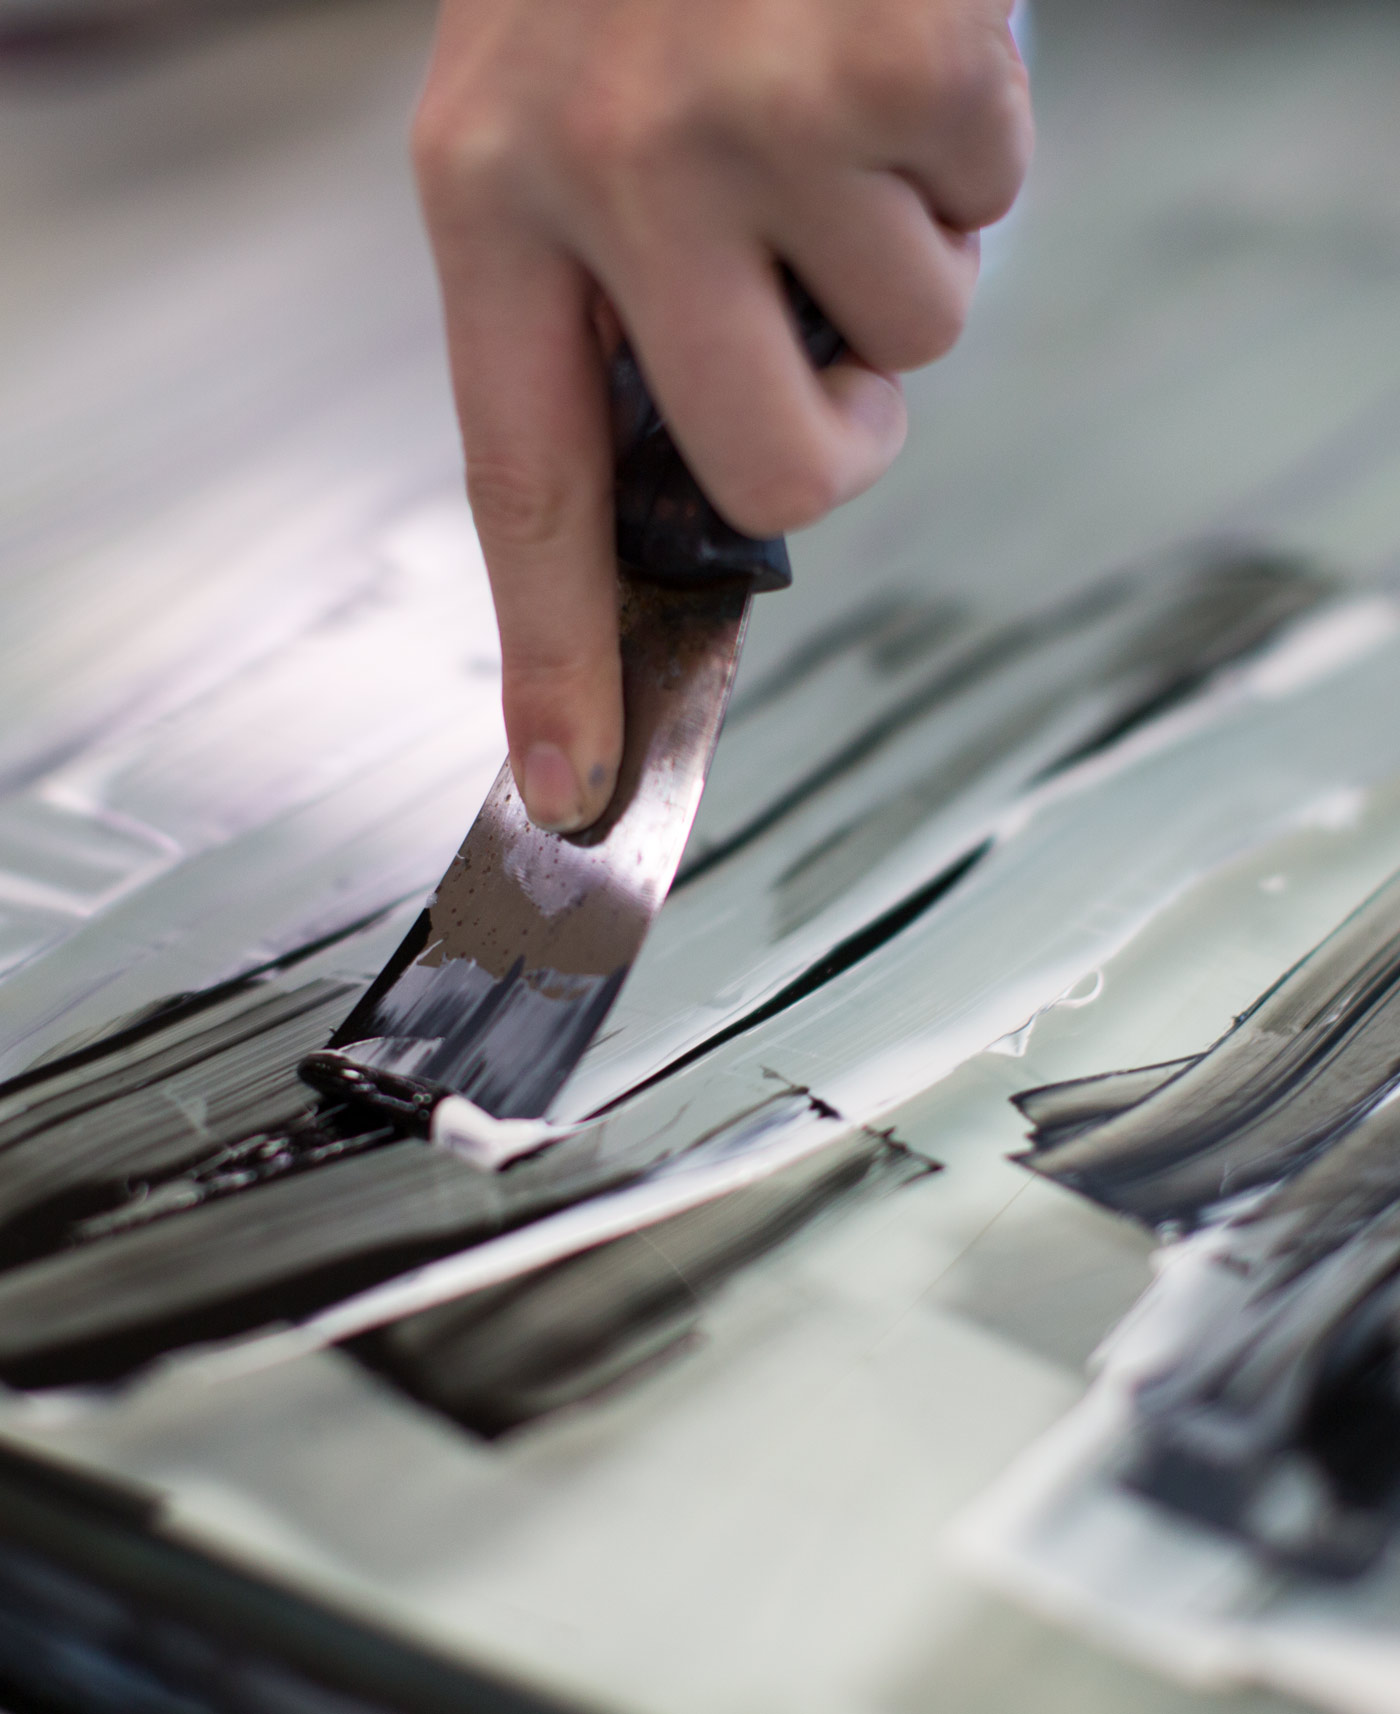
(1281, 1421)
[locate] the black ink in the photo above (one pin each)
(1297, 1070)
(100, 1610)
(983, 656)
(1280, 1420)
(842, 957)
(1207, 620)
(877, 628)
(1223, 619)
(513, 1352)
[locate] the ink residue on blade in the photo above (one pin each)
(499, 988)
(505, 1043)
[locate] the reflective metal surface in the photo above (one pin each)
(503, 981)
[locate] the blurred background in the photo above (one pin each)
(213, 268)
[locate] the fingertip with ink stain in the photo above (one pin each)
(602, 782)
(551, 789)
(556, 798)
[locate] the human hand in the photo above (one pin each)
(591, 165)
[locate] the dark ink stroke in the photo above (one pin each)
(1149, 649)
(1281, 1420)
(513, 1352)
(1168, 1143)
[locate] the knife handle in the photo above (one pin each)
(667, 531)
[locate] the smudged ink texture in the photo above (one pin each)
(168, 1178)
(1281, 1420)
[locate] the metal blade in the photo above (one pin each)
(502, 983)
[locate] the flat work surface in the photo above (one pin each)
(227, 467)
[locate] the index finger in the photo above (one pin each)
(531, 398)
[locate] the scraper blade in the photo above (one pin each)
(506, 977)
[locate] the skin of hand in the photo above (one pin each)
(587, 166)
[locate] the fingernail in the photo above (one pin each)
(550, 787)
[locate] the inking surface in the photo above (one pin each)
(244, 611)
(1279, 1420)
(261, 1205)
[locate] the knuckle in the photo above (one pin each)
(786, 111)
(1014, 130)
(776, 105)
(961, 77)
(515, 504)
(969, 58)
(464, 153)
(617, 125)
(887, 80)
(538, 670)
(604, 129)
(946, 70)
(914, 66)
(985, 99)
(1003, 135)
(429, 142)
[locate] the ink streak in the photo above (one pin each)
(1281, 1420)
(194, 1235)
(844, 956)
(1213, 618)
(1225, 618)
(104, 1612)
(889, 628)
(517, 1351)
(986, 656)
(176, 1008)
(1296, 1072)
